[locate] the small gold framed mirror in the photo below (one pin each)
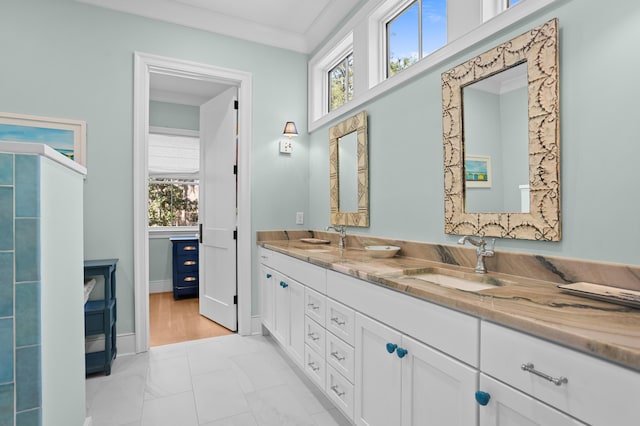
(349, 172)
(473, 173)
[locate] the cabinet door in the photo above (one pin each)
(378, 374)
(296, 321)
(508, 406)
(436, 389)
(267, 283)
(281, 310)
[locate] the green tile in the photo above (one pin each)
(6, 284)
(6, 350)
(6, 169)
(29, 418)
(27, 186)
(6, 218)
(27, 249)
(27, 314)
(28, 378)
(6, 405)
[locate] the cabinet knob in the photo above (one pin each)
(391, 347)
(482, 397)
(283, 284)
(401, 352)
(268, 275)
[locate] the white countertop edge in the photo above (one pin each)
(45, 151)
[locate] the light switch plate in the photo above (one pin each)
(286, 147)
(299, 218)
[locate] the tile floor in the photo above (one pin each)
(228, 380)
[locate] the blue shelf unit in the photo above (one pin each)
(100, 316)
(185, 267)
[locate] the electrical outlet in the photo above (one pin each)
(286, 147)
(299, 218)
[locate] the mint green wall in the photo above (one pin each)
(71, 60)
(176, 116)
(160, 259)
(599, 142)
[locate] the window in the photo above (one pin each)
(341, 83)
(415, 32)
(174, 163)
(512, 2)
(173, 202)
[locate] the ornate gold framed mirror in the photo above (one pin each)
(349, 172)
(467, 180)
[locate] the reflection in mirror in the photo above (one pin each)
(348, 172)
(467, 212)
(495, 133)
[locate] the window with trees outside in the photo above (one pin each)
(415, 32)
(174, 162)
(341, 83)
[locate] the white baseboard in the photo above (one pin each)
(88, 421)
(126, 344)
(160, 286)
(256, 325)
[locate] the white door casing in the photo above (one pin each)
(144, 65)
(217, 209)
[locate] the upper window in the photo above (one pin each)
(415, 32)
(512, 2)
(174, 167)
(341, 83)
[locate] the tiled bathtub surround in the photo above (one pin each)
(20, 335)
(529, 302)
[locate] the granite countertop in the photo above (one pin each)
(537, 307)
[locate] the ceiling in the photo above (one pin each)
(298, 25)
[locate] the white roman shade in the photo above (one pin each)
(173, 156)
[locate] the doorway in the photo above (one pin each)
(146, 66)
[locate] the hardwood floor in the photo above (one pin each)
(173, 321)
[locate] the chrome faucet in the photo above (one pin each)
(481, 251)
(342, 232)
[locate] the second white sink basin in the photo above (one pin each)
(454, 282)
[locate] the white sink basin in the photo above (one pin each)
(382, 251)
(454, 282)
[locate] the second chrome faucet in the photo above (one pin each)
(481, 251)
(342, 232)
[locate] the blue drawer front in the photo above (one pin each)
(97, 316)
(186, 280)
(186, 248)
(187, 266)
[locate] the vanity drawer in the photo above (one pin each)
(340, 356)
(315, 305)
(314, 366)
(311, 275)
(341, 321)
(186, 248)
(314, 335)
(340, 391)
(596, 392)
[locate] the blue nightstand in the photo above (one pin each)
(100, 316)
(185, 267)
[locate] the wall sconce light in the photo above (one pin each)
(290, 131)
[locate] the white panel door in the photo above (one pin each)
(436, 389)
(281, 310)
(378, 374)
(267, 288)
(217, 209)
(296, 321)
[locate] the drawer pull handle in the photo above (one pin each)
(189, 279)
(391, 347)
(401, 352)
(338, 321)
(558, 381)
(337, 356)
(189, 262)
(482, 397)
(189, 248)
(313, 306)
(314, 337)
(313, 366)
(337, 391)
(269, 275)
